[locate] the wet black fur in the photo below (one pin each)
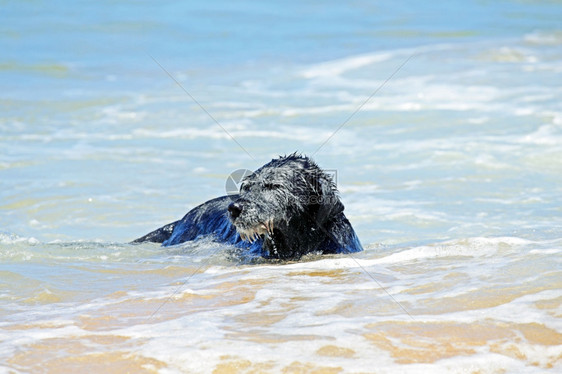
(293, 192)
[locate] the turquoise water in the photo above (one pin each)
(118, 117)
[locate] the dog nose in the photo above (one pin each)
(235, 209)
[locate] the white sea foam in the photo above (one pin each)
(335, 68)
(338, 67)
(238, 131)
(15, 239)
(306, 300)
(544, 37)
(544, 135)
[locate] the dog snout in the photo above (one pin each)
(235, 209)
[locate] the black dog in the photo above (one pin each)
(285, 209)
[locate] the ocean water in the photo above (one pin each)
(442, 122)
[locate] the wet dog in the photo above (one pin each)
(286, 209)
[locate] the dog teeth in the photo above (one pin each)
(269, 226)
(253, 234)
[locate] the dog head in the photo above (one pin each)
(287, 204)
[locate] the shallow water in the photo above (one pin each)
(450, 174)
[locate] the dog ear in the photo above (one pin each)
(324, 200)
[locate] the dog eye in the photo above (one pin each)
(244, 187)
(271, 186)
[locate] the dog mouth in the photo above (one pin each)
(254, 232)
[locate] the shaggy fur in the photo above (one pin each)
(285, 209)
